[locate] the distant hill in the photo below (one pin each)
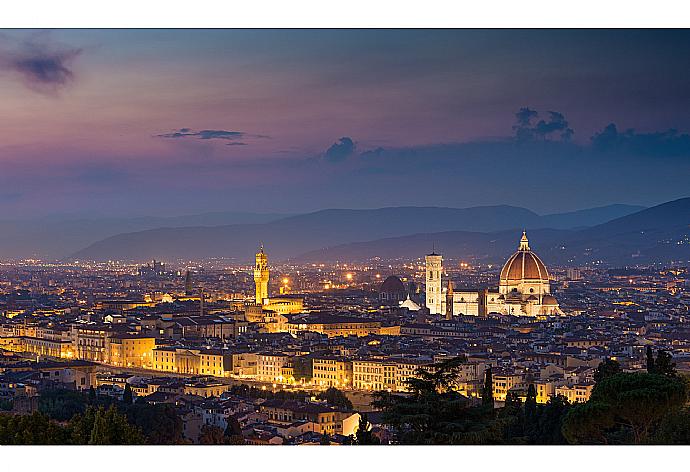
(287, 237)
(588, 217)
(657, 234)
(57, 236)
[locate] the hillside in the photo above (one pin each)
(294, 235)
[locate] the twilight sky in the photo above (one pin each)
(140, 122)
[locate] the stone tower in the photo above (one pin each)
(434, 294)
(187, 283)
(261, 276)
(449, 301)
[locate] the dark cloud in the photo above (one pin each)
(43, 67)
(204, 134)
(669, 143)
(208, 134)
(528, 127)
(341, 150)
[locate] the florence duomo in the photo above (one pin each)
(523, 289)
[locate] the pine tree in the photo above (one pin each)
(607, 368)
(99, 432)
(488, 391)
(650, 360)
(127, 395)
(664, 364)
(364, 436)
(531, 414)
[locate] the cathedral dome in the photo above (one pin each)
(524, 265)
(392, 285)
(392, 289)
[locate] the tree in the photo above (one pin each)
(127, 395)
(513, 417)
(335, 397)
(531, 416)
(211, 435)
(325, 440)
(674, 429)
(34, 429)
(624, 408)
(160, 424)
(92, 395)
(551, 418)
(650, 360)
(488, 390)
(363, 435)
(233, 432)
(101, 426)
(587, 423)
(664, 365)
(435, 412)
(607, 368)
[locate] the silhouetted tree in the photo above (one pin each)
(531, 415)
(488, 390)
(233, 432)
(650, 360)
(624, 408)
(363, 435)
(335, 397)
(127, 395)
(211, 435)
(325, 440)
(607, 368)
(664, 365)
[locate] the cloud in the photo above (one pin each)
(210, 134)
(527, 128)
(669, 143)
(44, 68)
(340, 150)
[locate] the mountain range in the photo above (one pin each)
(340, 234)
(57, 236)
(657, 234)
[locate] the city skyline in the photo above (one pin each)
(344, 237)
(171, 122)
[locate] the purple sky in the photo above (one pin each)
(137, 122)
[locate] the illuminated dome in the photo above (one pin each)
(524, 264)
(524, 273)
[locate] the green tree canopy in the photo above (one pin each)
(335, 397)
(626, 405)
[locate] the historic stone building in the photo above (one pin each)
(523, 289)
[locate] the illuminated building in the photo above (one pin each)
(332, 372)
(191, 361)
(434, 296)
(284, 305)
(374, 374)
(261, 275)
(523, 290)
(334, 325)
(576, 393)
(130, 350)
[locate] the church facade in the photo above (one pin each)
(523, 289)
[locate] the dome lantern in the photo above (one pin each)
(524, 243)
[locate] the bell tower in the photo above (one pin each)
(261, 275)
(434, 294)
